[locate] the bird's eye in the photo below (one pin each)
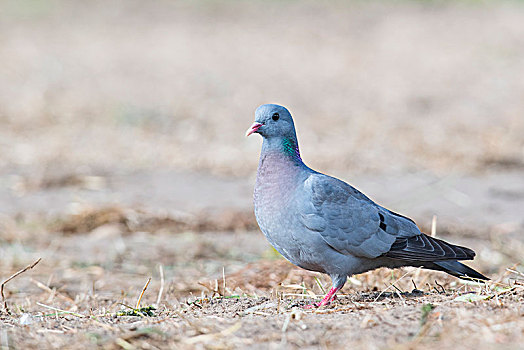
(275, 116)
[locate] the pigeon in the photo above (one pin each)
(323, 224)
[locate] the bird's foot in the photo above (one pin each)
(330, 296)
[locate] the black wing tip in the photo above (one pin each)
(426, 248)
(469, 252)
(460, 270)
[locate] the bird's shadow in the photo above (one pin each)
(368, 297)
(381, 295)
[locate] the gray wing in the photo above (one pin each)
(349, 221)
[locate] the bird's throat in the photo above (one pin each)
(286, 148)
(279, 164)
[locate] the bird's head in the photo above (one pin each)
(272, 121)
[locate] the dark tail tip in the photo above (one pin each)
(459, 270)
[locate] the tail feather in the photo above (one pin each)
(456, 269)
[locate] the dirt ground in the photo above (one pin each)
(230, 290)
(122, 159)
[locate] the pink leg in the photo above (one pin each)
(330, 296)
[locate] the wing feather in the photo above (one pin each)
(349, 221)
(426, 248)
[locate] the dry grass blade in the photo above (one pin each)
(142, 294)
(434, 226)
(52, 291)
(61, 310)
(322, 289)
(124, 344)
(91, 318)
(515, 272)
(161, 290)
(391, 285)
(29, 267)
(224, 279)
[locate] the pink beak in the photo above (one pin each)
(253, 128)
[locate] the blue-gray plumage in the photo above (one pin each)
(323, 224)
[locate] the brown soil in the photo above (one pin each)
(231, 290)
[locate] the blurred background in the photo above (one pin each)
(122, 127)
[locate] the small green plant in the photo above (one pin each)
(148, 311)
(426, 310)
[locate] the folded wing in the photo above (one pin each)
(349, 221)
